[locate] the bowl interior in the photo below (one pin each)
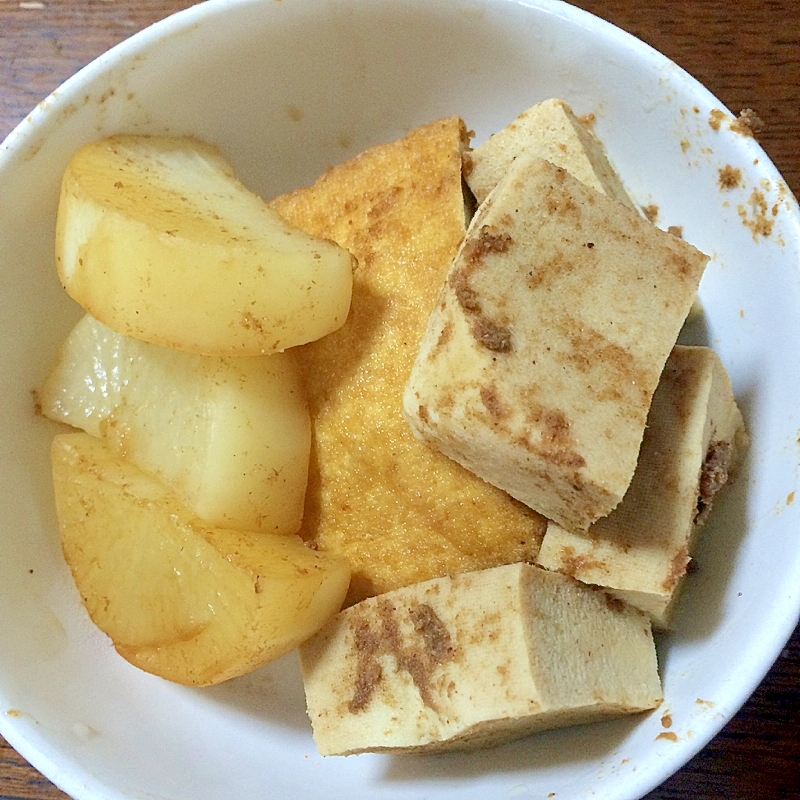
(288, 89)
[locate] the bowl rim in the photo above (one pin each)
(86, 786)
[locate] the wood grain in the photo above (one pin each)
(747, 53)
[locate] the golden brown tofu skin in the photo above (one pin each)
(694, 440)
(546, 344)
(398, 510)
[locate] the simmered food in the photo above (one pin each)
(180, 598)
(231, 436)
(157, 239)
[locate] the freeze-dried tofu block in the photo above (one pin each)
(475, 660)
(694, 438)
(548, 130)
(547, 341)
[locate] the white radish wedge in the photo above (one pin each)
(158, 239)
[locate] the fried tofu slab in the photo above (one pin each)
(401, 512)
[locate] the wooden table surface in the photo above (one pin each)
(747, 53)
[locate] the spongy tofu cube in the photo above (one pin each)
(545, 346)
(695, 436)
(474, 660)
(548, 130)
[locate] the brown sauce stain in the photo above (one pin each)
(445, 336)
(491, 401)
(760, 224)
(677, 569)
(650, 212)
(614, 603)
(729, 177)
(417, 655)
(550, 268)
(621, 376)
(433, 632)
(489, 333)
(560, 203)
(556, 443)
(251, 323)
(715, 118)
(38, 411)
(573, 564)
(486, 242)
(714, 475)
(369, 673)
(295, 113)
(467, 164)
(467, 297)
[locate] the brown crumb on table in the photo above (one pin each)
(666, 720)
(748, 123)
(729, 177)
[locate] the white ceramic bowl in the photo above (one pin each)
(287, 89)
